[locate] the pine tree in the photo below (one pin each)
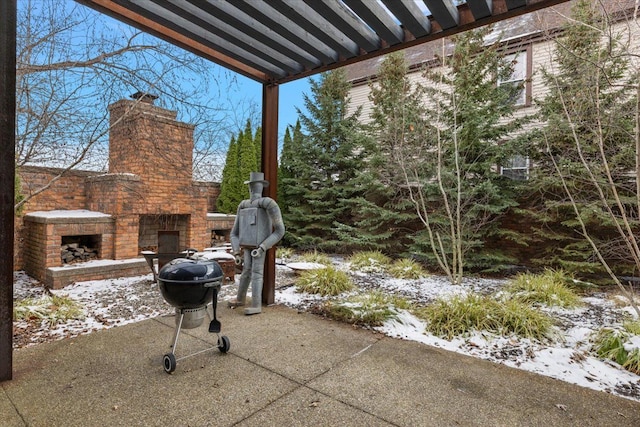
(287, 170)
(323, 166)
(291, 190)
(384, 212)
(451, 169)
(586, 104)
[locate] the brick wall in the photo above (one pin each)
(147, 141)
(210, 191)
(67, 192)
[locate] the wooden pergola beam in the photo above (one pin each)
(134, 19)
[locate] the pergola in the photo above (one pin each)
(270, 41)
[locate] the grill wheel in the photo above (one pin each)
(169, 362)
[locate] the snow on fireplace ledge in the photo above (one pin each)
(68, 214)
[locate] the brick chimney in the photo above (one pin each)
(147, 140)
(149, 187)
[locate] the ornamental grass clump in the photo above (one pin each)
(524, 321)
(324, 281)
(51, 309)
(620, 346)
(549, 288)
(369, 261)
(316, 257)
(367, 309)
(449, 318)
(284, 253)
(609, 344)
(632, 364)
(406, 268)
(462, 315)
(632, 326)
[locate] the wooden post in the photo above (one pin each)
(8, 13)
(270, 170)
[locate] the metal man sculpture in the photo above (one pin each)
(258, 226)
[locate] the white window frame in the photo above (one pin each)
(514, 165)
(520, 61)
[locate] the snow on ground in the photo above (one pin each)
(115, 302)
(567, 359)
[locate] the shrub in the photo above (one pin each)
(368, 309)
(324, 281)
(462, 315)
(406, 268)
(50, 308)
(548, 288)
(369, 261)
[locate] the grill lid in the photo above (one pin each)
(184, 270)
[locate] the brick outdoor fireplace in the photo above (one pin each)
(147, 196)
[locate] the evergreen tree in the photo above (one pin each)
(257, 143)
(240, 162)
(383, 210)
(452, 169)
(248, 161)
(288, 170)
(226, 202)
(324, 166)
(588, 123)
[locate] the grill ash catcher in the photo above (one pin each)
(189, 284)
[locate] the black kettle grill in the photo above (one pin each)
(189, 284)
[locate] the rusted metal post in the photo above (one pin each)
(8, 12)
(270, 169)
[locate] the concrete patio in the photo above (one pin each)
(284, 368)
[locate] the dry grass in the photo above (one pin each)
(51, 309)
(369, 261)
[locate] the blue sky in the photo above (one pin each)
(290, 98)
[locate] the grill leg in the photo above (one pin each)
(177, 334)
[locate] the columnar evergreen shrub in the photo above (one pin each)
(242, 159)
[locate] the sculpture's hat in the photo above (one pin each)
(257, 177)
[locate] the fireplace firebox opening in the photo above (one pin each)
(150, 226)
(74, 249)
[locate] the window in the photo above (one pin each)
(516, 168)
(519, 75)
